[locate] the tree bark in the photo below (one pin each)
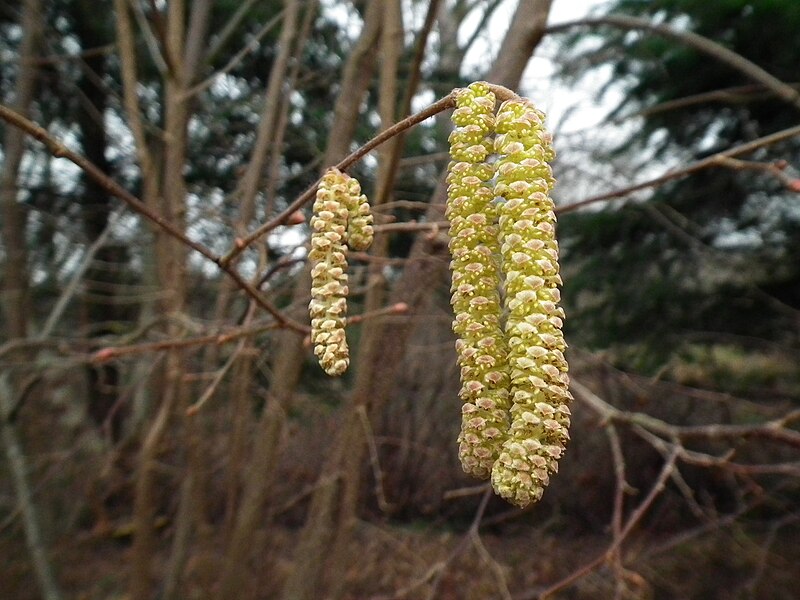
(15, 275)
(14, 302)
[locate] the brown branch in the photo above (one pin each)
(343, 165)
(407, 204)
(154, 46)
(463, 544)
(227, 31)
(772, 430)
(621, 487)
(58, 150)
(195, 407)
(656, 489)
(698, 42)
(408, 162)
(395, 309)
(389, 171)
(690, 169)
(375, 462)
(776, 169)
(113, 352)
(738, 94)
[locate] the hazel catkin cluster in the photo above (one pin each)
(514, 374)
(341, 220)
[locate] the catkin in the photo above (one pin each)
(540, 415)
(475, 278)
(328, 255)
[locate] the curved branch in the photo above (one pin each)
(353, 157)
(698, 42)
(714, 160)
(58, 150)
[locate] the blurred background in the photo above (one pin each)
(164, 435)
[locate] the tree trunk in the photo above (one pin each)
(15, 275)
(14, 301)
(171, 264)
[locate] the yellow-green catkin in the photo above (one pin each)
(328, 256)
(540, 415)
(475, 298)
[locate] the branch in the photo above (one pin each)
(18, 466)
(153, 45)
(58, 150)
(739, 94)
(113, 352)
(712, 161)
(774, 430)
(656, 489)
(434, 109)
(229, 29)
(698, 42)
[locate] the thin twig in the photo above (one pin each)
(398, 308)
(112, 352)
(619, 504)
(771, 430)
(343, 165)
(776, 169)
(698, 42)
(636, 516)
(237, 58)
(153, 46)
(690, 169)
(386, 506)
(58, 150)
(194, 408)
(464, 543)
(72, 287)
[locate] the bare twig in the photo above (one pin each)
(732, 95)
(112, 352)
(394, 309)
(194, 408)
(237, 58)
(22, 489)
(58, 150)
(621, 488)
(412, 226)
(228, 30)
(774, 430)
(72, 287)
(776, 169)
(464, 543)
(636, 516)
(386, 506)
(343, 165)
(698, 42)
(153, 46)
(690, 169)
